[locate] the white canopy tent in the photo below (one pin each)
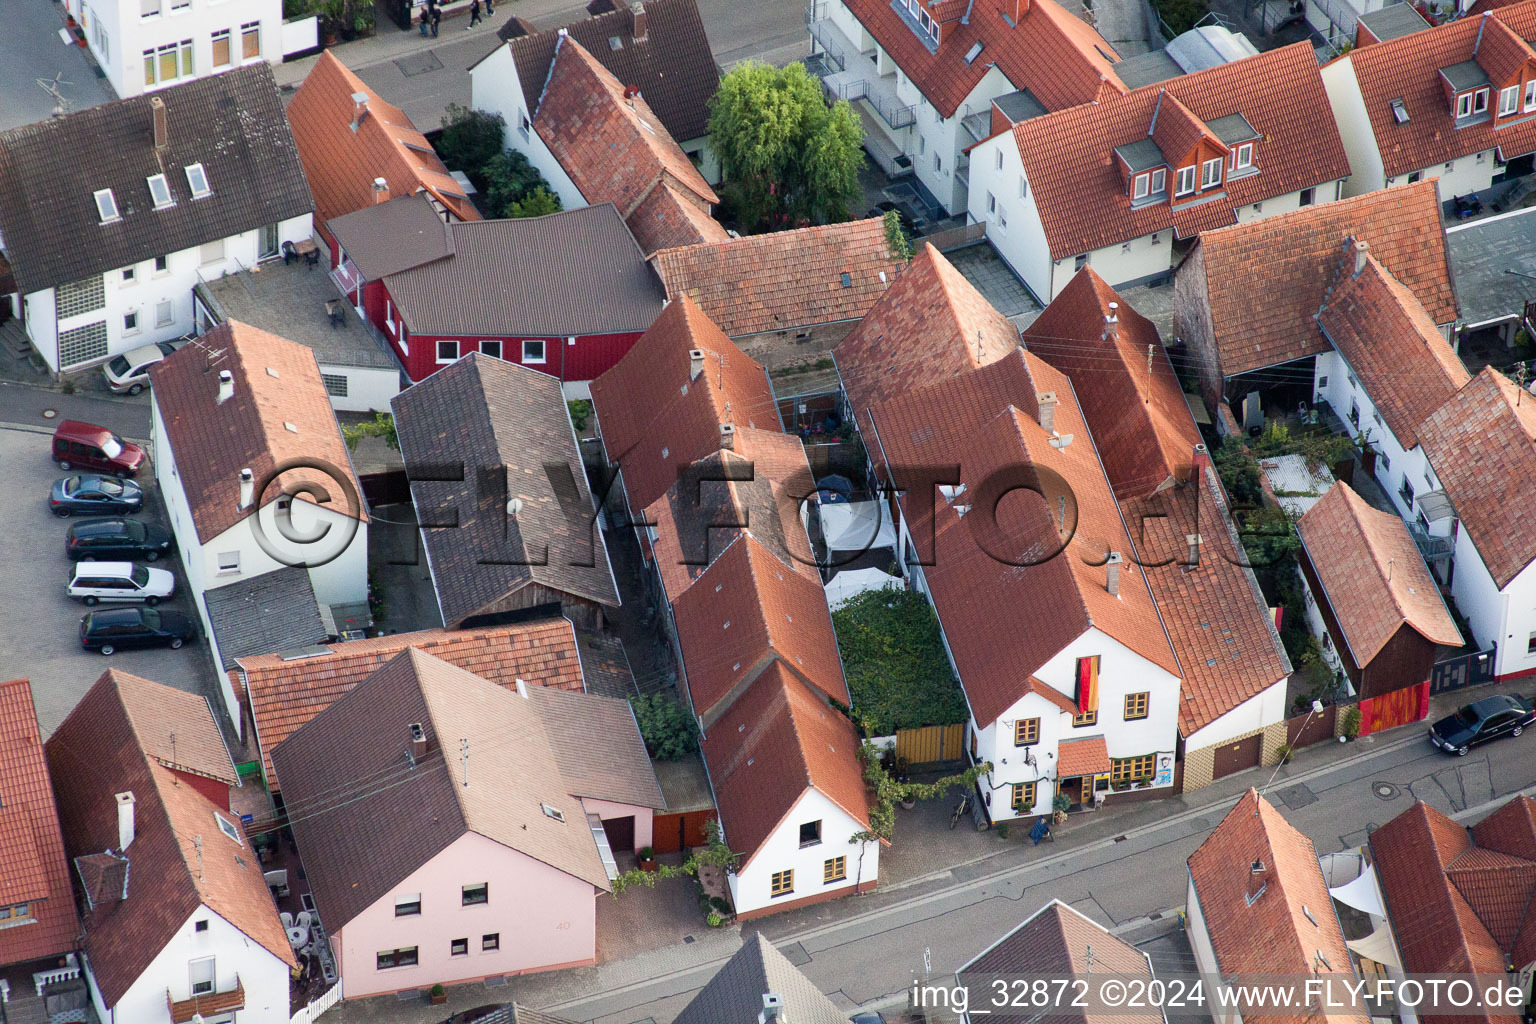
(1361, 894)
(856, 526)
(852, 582)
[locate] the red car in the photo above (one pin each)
(79, 445)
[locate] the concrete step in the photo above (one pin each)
(15, 338)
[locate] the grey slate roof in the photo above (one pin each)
(1146, 68)
(1232, 129)
(1141, 155)
(483, 414)
(1469, 74)
(571, 273)
(233, 124)
(618, 769)
(1019, 105)
(735, 994)
(394, 236)
(1480, 252)
(266, 613)
(1393, 21)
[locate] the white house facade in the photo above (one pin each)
(791, 865)
(494, 87)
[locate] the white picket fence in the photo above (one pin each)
(310, 1013)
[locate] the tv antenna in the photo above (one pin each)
(61, 103)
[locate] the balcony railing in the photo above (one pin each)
(207, 1004)
(851, 75)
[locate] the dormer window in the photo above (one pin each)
(1399, 112)
(1210, 173)
(1509, 100)
(1470, 104)
(1149, 183)
(973, 53)
(1186, 182)
(106, 206)
(1242, 157)
(1530, 95)
(160, 192)
(197, 181)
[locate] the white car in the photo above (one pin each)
(129, 372)
(117, 582)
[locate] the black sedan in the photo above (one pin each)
(115, 540)
(1480, 721)
(94, 495)
(122, 628)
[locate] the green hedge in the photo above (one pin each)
(893, 655)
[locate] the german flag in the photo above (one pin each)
(1088, 685)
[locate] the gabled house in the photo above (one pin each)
(40, 926)
(1229, 331)
(500, 871)
(249, 455)
(1055, 941)
(358, 150)
(1459, 898)
(566, 294)
(286, 689)
(507, 519)
(110, 216)
(1456, 102)
(659, 47)
(1258, 903)
(785, 296)
(1127, 182)
(178, 920)
(596, 140)
(928, 76)
(755, 982)
(1481, 444)
(1371, 593)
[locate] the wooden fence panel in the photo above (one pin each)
(1305, 730)
(930, 744)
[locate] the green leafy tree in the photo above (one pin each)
(669, 731)
(536, 203)
(382, 425)
(470, 140)
(894, 660)
(789, 158)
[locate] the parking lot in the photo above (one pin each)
(40, 638)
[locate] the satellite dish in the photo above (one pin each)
(514, 507)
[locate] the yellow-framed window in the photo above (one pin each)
(1023, 797)
(1085, 719)
(1136, 705)
(782, 882)
(1026, 731)
(1129, 769)
(834, 869)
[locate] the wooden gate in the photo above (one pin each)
(1465, 670)
(930, 743)
(1305, 730)
(1237, 755)
(1390, 710)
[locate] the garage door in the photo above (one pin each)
(1234, 757)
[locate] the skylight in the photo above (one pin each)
(227, 827)
(197, 180)
(615, 43)
(160, 191)
(553, 812)
(1399, 112)
(973, 53)
(106, 206)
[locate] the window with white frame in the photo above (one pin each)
(130, 274)
(447, 351)
(131, 322)
(250, 40)
(533, 351)
(201, 975)
(991, 203)
(1480, 100)
(1186, 182)
(1464, 105)
(160, 191)
(229, 562)
(1509, 100)
(1141, 186)
(1210, 173)
(491, 348)
(149, 8)
(168, 63)
(938, 163)
(227, 827)
(197, 181)
(1242, 157)
(1023, 187)
(165, 312)
(221, 54)
(999, 157)
(1530, 95)
(162, 265)
(106, 206)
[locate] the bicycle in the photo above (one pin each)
(960, 811)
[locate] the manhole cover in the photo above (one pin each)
(418, 64)
(1384, 790)
(49, 414)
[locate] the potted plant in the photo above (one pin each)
(1283, 752)
(647, 858)
(1351, 723)
(438, 994)
(1059, 808)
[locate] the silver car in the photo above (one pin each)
(120, 582)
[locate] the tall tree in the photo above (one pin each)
(788, 157)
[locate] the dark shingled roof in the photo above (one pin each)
(1394, 20)
(232, 124)
(271, 612)
(482, 413)
(672, 66)
(735, 994)
(390, 237)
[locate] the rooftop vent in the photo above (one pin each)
(359, 108)
(418, 742)
(247, 489)
(226, 386)
(695, 363)
(1112, 573)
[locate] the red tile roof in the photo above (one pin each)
(1294, 257)
(1404, 364)
(1059, 58)
(1408, 69)
(1482, 445)
(31, 845)
(656, 420)
(784, 279)
(1124, 382)
(341, 162)
(747, 611)
(616, 150)
(1089, 756)
(1449, 892)
(932, 323)
(1176, 130)
(779, 739)
(179, 859)
(1290, 922)
(276, 383)
(284, 692)
(1081, 194)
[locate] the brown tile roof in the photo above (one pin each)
(655, 420)
(277, 382)
(1446, 895)
(724, 495)
(1372, 573)
(668, 217)
(1290, 922)
(1059, 58)
(1408, 69)
(100, 751)
(784, 279)
(31, 845)
(928, 325)
(1294, 256)
(503, 424)
(1482, 445)
(1176, 130)
(284, 691)
(342, 162)
(1089, 756)
(618, 769)
(672, 66)
(1124, 382)
(1402, 361)
(1080, 191)
(355, 850)
(777, 740)
(1058, 941)
(747, 611)
(177, 729)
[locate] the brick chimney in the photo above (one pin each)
(161, 125)
(1202, 459)
(1112, 321)
(637, 15)
(1193, 540)
(380, 191)
(1362, 250)
(418, 742)
(1047, 402)
(695, 363)
(359, 108)
(728, 436)
(1112, 573)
